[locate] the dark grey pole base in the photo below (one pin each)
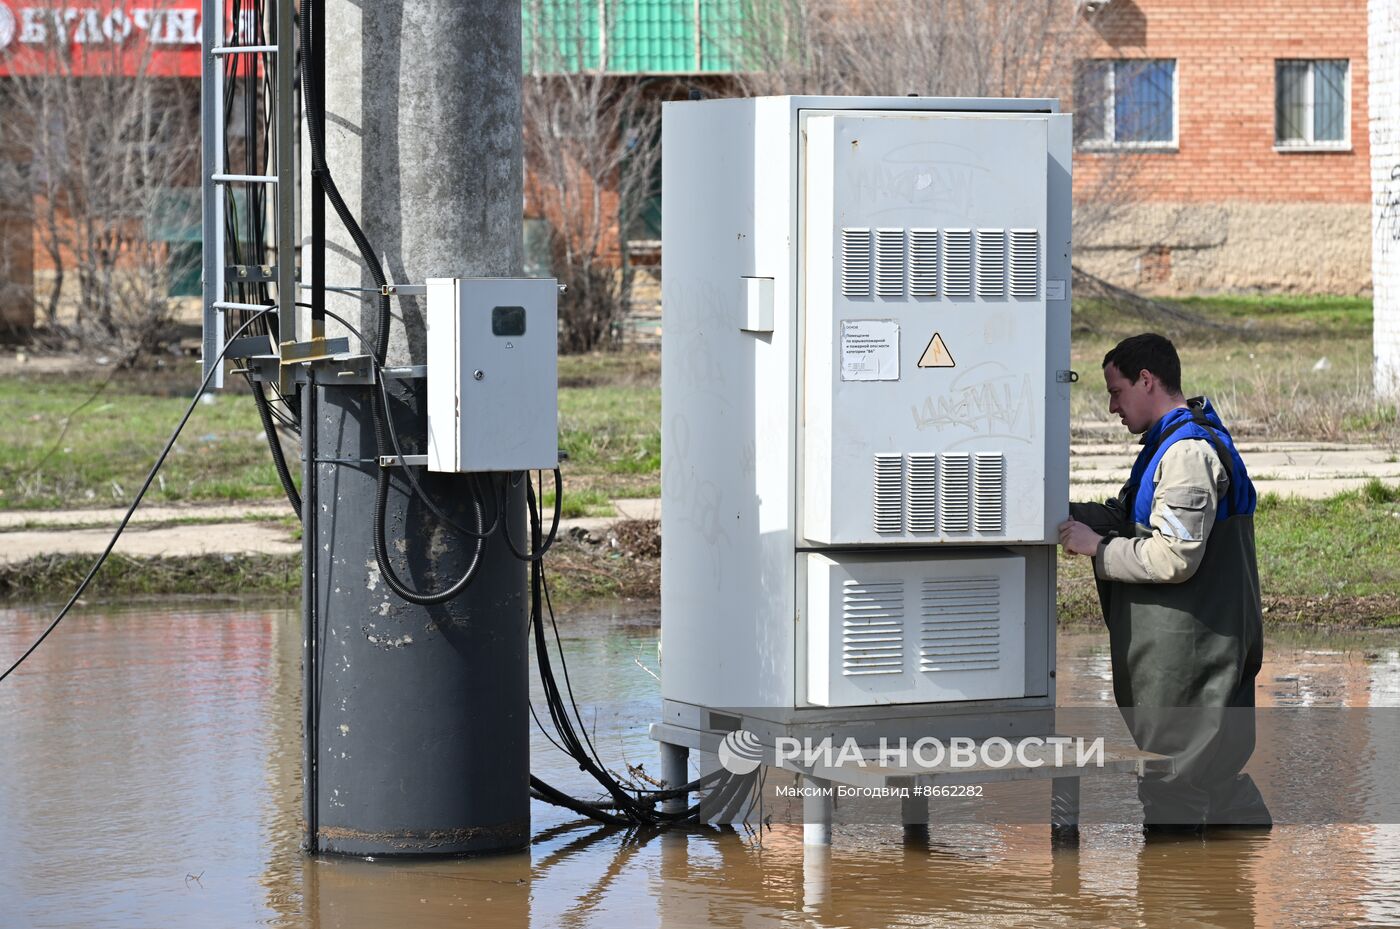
(418, 740)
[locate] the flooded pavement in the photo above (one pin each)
(150, 777)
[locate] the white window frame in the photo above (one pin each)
(1108, 143)
(1308, 143)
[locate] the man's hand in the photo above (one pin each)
(1079, 539)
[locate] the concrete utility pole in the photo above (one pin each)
(1384, 53)
(417, 717)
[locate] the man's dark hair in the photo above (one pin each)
(1147, 352)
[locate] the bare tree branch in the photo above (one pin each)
(592, 143)
(102, 140)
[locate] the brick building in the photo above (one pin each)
(1222, 146)
(1240, 134)
(119, 82)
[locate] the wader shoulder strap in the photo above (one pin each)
(1199, 418)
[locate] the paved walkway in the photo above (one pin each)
(1312, 470)
(1301, 469)
(220, 530)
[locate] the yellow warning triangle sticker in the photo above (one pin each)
(937, 354)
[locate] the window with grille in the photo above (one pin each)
(1125, 103)
(1311, 101)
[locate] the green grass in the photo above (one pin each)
(617, 368)
(1321, 562)
(609, 417)
(111, 443)
(610, 426)
(289, 521)
(1343, 546)
(1266, 374)
(1270, 315)
(588, 502)
(1340, 315)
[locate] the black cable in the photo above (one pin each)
(146, 485)
(314, 107)
(478, 497)
(386, 567)
(553, 529)
(251, 31)
(279, 459)
(636, 805)
(550, 795)
(564, 664)
(381, 549)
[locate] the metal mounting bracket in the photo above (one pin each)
(394, 461)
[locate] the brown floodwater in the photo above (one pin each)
(150, 777)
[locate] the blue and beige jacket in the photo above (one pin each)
(1178, 579)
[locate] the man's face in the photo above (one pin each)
(1133, 401)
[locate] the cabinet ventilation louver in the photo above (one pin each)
(954, 492)
(988, 492)
(991, 263)
(921, 491)
(957, 262)
(872, 628)
(855, 262)
(888, 503)
(923, 262)
(889, 262)
(1025, 264)
(960, 624)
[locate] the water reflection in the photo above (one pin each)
(150, 776)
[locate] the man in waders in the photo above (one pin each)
(1175, 566)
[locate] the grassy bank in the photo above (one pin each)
(1323, 563)
(53, 578)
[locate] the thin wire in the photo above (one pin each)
(150, 478)
(70, 417)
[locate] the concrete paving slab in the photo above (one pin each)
(14, 519)
(244, 538)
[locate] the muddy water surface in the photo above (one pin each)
(150, 777)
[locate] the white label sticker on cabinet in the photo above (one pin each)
(1055, 290)
(869, 350)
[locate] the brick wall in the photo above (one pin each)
(1225, 54)
(1385, 180)
(1224, 209)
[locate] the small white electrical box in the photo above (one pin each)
(493, 376)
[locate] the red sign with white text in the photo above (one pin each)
(100, 39)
